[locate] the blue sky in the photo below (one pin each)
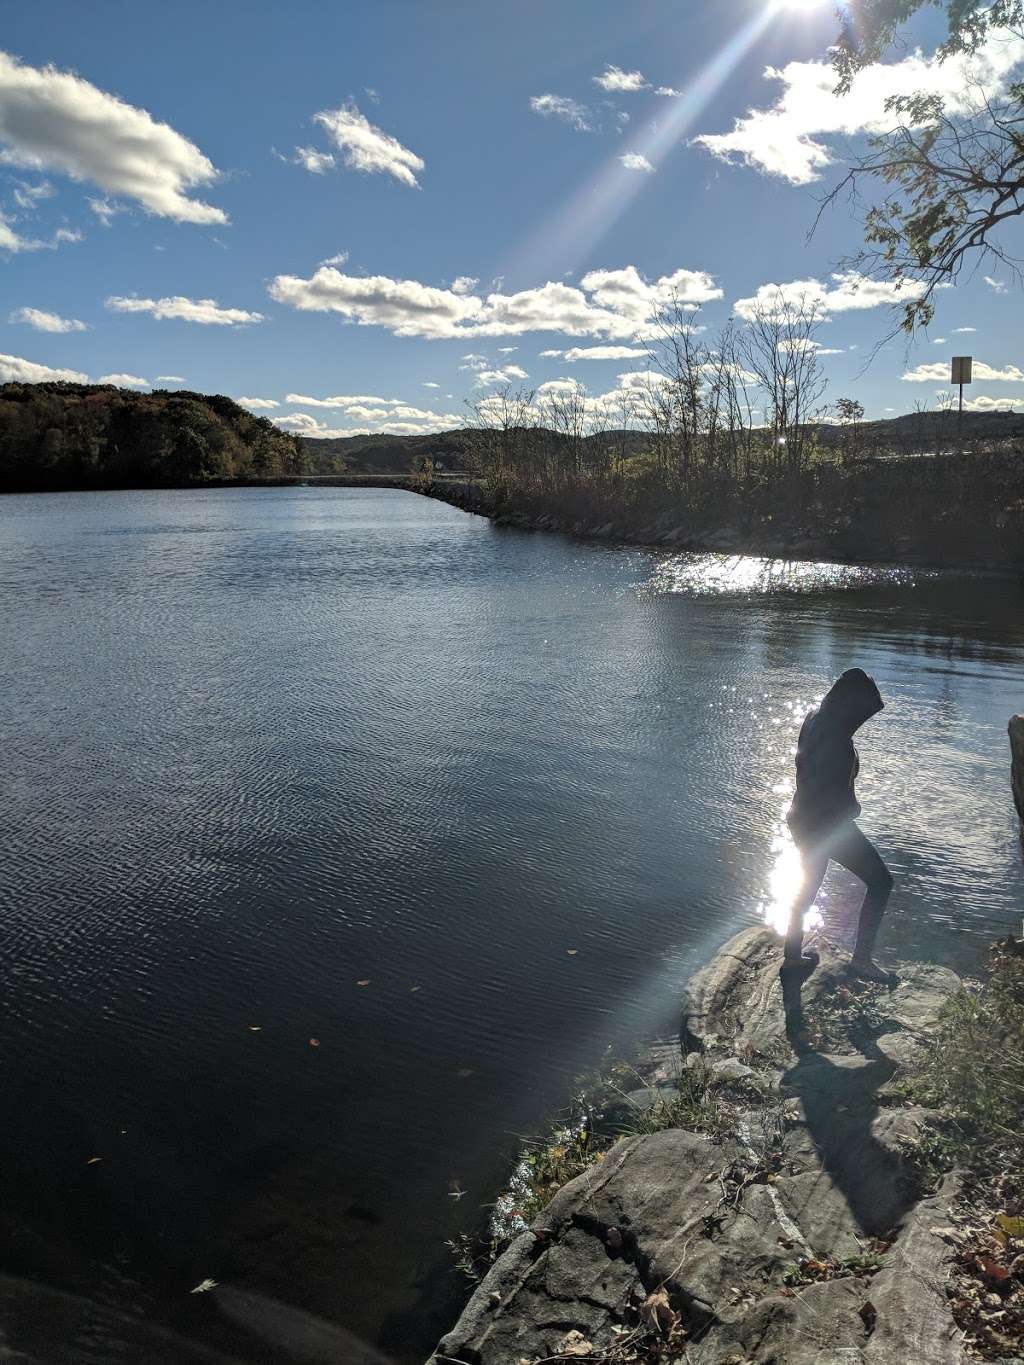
(477, 178)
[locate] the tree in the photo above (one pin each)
(850, 414)
(952, 172)
(780, 354)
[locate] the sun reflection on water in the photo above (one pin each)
(699, 574)
(784, 883)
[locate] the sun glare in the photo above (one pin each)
(784, 883)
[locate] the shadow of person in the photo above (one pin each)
(839, 1098)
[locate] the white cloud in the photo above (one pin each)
(668, 92)
(258, 404)
(55, 120)
(635, 161)
(615, 80)
(997, 286)
(205, 311)
(612, 303)
(27, 196)
(304, 424)
(47, 322)
(124, 381)
(794, 344)
(984, 403)
(367, 148)
(172, 378)
(339, 400)
(13, 241)
(555, 387)
(429, 384)
(939, 341)
(569, 111)
(940, 370)
(105, 209)
(507, 350)
(387, 417)
(965, 329)
(339, 259)
(643, 380)
(848, 292)
(15, 370)
(626, 291)
(599, 353)
(787, 139)
(551, 355)
(464, 284)
(504, 375)
(474, 362)
(313, 161)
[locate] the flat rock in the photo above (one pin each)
(705, 1217)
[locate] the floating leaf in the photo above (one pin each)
(465, 1071)
(314, 1042)
(414, 989)
(255, 1028)
(93, 1160)
(363, 983)
(204, 1286)
(572, 951)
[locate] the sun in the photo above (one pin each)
(800, 5)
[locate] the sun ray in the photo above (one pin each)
(565, 239)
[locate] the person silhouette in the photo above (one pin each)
(823, 821)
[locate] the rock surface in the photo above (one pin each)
(745, 1224)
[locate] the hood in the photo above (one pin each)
(853, 696)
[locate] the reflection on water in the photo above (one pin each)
(699, 574)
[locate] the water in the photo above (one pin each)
(461, 804)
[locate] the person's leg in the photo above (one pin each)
(858, 855)
(814, 862)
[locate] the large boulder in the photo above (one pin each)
(755, 1227)
(1017, 764)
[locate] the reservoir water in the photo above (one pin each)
(343, 829)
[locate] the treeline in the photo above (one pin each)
(730, 439)
(58, 436)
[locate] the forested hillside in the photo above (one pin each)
(56, 436)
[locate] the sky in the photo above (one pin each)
(363, 217)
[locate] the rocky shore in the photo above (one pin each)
(789, 1224)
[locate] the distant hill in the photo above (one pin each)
(911, 433)
(56, 436)
(384, 454)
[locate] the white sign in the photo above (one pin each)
(961, 369)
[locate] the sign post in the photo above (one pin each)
(962, 366)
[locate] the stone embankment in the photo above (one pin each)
(788, 1229)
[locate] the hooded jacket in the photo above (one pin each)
(827, 763)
